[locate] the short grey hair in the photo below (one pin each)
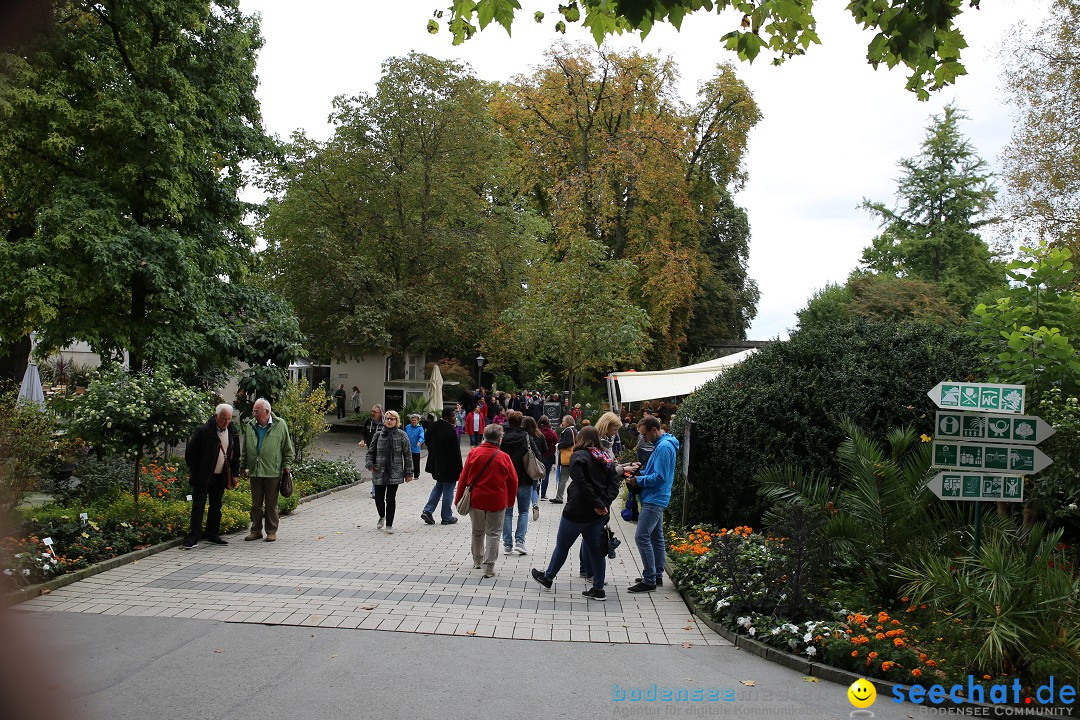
(493, 433)
(262, 401)
(222, 408)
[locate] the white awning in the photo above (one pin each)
(653, 384)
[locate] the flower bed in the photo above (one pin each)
(744, 581)
(115, 525)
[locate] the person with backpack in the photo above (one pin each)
(596, 485)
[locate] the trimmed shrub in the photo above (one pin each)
(783, 405)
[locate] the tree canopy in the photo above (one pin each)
(945, 195)
(394, 235)
(123, 130)
(1042, 161)
(921, 34)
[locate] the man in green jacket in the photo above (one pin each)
(266, 451)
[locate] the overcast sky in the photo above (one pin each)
(832, 133)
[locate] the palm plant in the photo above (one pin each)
(878, 509)
(1019, 595)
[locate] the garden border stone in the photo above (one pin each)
(20, 595)
(820, 670)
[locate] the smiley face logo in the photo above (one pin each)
(862, 693)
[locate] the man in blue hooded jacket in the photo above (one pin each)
(655, 484)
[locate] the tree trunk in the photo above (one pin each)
(14, 357)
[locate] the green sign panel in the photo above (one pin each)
(995, 458)
(973, 486)
(982, 427)
(979, 397)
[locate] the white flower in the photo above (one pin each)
(811, 651)
(775, 631)
(806, 637)
(753, 631)
(1072, 506)
(743, 621)
(25, 572)
(7, 572)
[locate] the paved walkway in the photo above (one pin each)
(331, 568)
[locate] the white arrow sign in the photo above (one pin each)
(979, 397)
(983, 427)
(975, 486)
(953, 455)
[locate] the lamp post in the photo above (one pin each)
(480, 360)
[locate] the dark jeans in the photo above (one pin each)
(214, 489)
(416, 465)
(475, 439)
(549, 462)
(386, 502)
(340, 409)
(590, 544)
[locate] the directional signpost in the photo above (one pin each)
(985, 444)
(980, 397)
(973, 486)
(982, 427)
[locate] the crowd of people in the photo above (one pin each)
(514, 450)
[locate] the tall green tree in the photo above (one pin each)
(123, 130)
(921, 34)
(945, 195)
(393, 235)
(1042, 161)
(604, 150)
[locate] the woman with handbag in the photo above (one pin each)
(608, 427)
(567, 436)
(519, 445)
(391, 464)
(596, 484)
(540, 445)
(487, 486)
(549, 457)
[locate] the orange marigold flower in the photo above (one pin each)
(922, 657)
(887, 666)
(986, 677)
(879, 636)
(916, 672)
(882, 616)
(898, 642)
(931, 663)
(905, 599)
(854, 653)
(872, 655)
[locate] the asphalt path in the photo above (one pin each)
(101, 667)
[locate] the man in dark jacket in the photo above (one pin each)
(444, 464)
(212, 456)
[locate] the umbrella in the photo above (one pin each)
(435, 383)
(30, 392)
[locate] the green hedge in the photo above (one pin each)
(783, 404)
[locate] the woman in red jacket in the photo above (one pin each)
(491, 474)
(475, 422)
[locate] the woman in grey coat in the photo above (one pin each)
(390, 461)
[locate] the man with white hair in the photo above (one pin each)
(213, 459)
(265, 455)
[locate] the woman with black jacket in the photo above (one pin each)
(516, 442)
(596, 483)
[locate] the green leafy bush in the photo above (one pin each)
(30, 445)
(1054, 495)
(783, 404)
(304, 414)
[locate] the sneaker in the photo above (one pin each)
(253, 535)
(388, 530)
(451, 521)
(543, 497)
(427, 517)
(555, 501)
(216, 540)
(659, 581)
(595, 594)
(536, 513)
(641, 588)
(189, 543)
(541, 578)
(507, 549)
(519, 548)
(489, 572)
(271, 537)
(379, 525)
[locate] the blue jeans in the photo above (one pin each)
(475, 439)
(524, 506)
(650, 542)
(590, 545)
(444, 490)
